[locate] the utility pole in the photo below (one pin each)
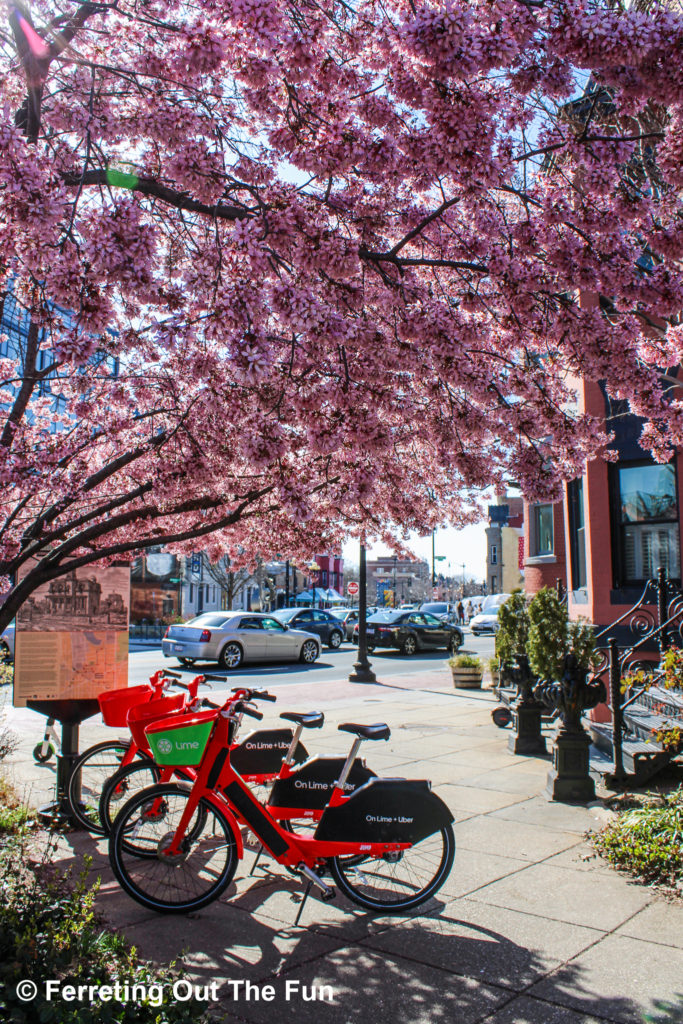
(433, 561)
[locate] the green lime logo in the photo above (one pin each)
(165, 746)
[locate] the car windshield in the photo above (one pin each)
(493, 603)
(285, 614)
(210, 620)
(436, 607)
(339, 613)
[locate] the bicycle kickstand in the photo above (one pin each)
(307, 890)
(258, 858)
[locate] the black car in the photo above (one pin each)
(412, 631)
(313, 620)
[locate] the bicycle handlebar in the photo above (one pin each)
(244, 709)
(254, 694)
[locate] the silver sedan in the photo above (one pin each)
(231, 638)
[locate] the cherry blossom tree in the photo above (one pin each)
(298, 268)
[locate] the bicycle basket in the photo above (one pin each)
(181, 739)
(116, 704)
(154, 710)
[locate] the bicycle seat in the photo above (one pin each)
(378, 731)
(309, 720)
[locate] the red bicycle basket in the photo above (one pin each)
(142, 715)
(116, 704)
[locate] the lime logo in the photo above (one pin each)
(165, 746)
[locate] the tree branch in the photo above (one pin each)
(152, 187)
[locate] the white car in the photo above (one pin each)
(486, 621)
(7, 644)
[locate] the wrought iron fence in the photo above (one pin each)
(632, 671)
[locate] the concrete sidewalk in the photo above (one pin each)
(530, 928)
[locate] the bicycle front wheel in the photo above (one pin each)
(90, 772)
(123, 785)
(185, 881)
(397, 881)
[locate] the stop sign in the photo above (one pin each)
(352, 587)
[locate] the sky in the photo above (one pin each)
(466, 546)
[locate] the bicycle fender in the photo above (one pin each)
(386, 811)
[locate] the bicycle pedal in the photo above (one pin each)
(328, 895)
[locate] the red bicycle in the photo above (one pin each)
(96, 764)
(389, 845)
(262, 757)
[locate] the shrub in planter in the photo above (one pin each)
(467, 671)
(552, 636)
(513, 629)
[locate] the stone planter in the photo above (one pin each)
(467, 678)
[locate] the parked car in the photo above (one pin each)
(313, 620)
(380, 612)
(7, 644)
(231, 638)
(412, 631)
(348, 617)
(486, 621)
(438, 608)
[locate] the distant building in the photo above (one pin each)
(504, 540)
(392, 580)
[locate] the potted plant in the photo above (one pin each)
(512, 634)
(467, 671)
(552, 636)
(494, 670)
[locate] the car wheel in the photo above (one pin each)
(409, 645)
(309, 652)
(335, 640)
(231, 656)
(188, 662)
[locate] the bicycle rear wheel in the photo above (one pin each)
(397, 881)
(90, 772)
(144, 829)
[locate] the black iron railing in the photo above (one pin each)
(632, 671)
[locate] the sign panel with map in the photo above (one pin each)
(72, 636)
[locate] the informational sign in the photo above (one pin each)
(72, 636)
(352, 588)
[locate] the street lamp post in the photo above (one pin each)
(395, 561)
(433, 561)
(362, 672)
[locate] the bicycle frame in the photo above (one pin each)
(219, 784)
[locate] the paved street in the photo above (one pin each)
(331, 665)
